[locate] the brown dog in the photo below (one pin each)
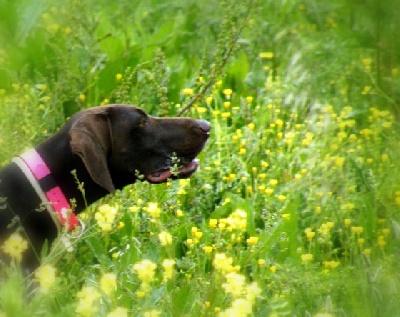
(109, 147)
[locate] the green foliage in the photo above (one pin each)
(295, 208)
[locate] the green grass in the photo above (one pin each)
(295, 210)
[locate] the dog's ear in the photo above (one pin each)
(90, 138)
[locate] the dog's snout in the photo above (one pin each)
(204, 126)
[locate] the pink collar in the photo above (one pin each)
(35, 169)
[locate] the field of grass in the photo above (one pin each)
(295, 209)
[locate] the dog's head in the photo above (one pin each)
(119, 143)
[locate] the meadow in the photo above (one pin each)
(295, 209)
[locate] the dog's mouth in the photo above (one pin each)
(182, 171)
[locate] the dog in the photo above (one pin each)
(104, 148)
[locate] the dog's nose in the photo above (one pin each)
(204, 126)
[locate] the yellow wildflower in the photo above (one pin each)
(273, 182)
(227, 92)
(187, 91)
(108, 282)
(168, 266)
(306, 258)
(281, 198)
(356, 230)
(310, 235)
(261, 262)
(86, 298)
(213, 223)
(145, 270)
(207, 249)
(14, 246)
(45, 275)
(223, 263)
(153, 210)
(234, 284)
(118, 77)
(237, 220)
(152, 313)
(118, 312)
(201, 110)
(165, 238)
(252, 240)
(105, 217)
(266, 55)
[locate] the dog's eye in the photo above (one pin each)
(142, 123)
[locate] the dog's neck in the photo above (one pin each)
(69, 172)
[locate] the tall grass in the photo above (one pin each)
(294, 211)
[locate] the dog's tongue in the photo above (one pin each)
(160, 176)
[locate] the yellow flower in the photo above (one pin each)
(356, 230)
(153, 210)
(223, 263)
(207, 249)
(227, 92)
(14, 246)
(273, 268)
(252, 290)
(189, 242)
(45, 275)
(347, 222)
(331, 264)
(86, 298)
(249, 99)
(261, 262)
(201, 110)
(168, 266)
(237, 220)
(310, 235)
(252, 240)
(145, 270)
(108, 282)
(234, 284)
(266, 55)
(273, 182)
(381, 241)
(118, 312)
(286, 217)
(213, 223)
(118, 77)
(281, 198)
(187, 91)
(227, 104)
(82, 98)
(134, 209)
(152, 313)
(367, 252)
(269, 191)
(105, 217)
(225, 115)
(240, 308)
(165, 238)
(306, 258)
